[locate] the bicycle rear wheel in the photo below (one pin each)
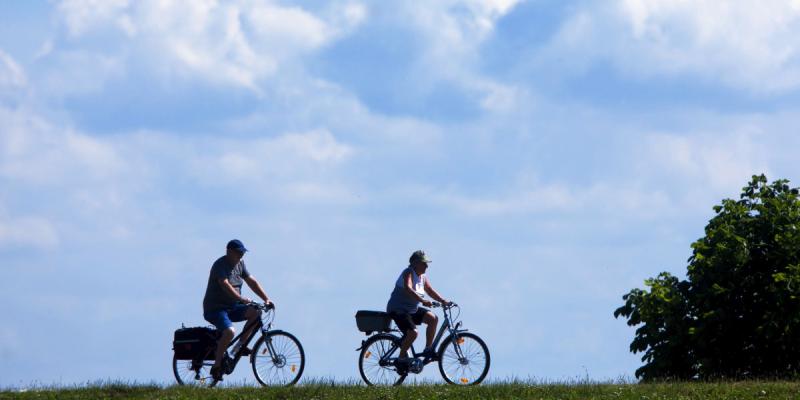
(278, 359)
(377, 348)
(464, 359)
(189, 373)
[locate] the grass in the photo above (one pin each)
(515, 390)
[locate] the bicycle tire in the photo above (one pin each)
(291, 359)
(185, 375)
(371, 371)
(461, 369)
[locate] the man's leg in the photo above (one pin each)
(222, 345)
(252, 315)
(222, 322)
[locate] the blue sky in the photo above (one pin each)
(549, 156)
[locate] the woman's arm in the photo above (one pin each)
(434, 294)
(409, 286)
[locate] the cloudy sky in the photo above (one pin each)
(548, 155)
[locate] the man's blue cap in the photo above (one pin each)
(236, 244)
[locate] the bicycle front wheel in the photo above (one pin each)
(278, 359)
(374, 363)
(192, 373)
(464, 359)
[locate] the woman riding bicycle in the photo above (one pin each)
(224, 304)
(404, 305)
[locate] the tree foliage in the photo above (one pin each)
(737, 315)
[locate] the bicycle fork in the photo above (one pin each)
(278, 359)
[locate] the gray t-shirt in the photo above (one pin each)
(400, 301)
(217, 298)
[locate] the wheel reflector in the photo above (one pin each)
(265, 351)
(294, 367)
(367, 354)
(464, 380)
(460, 340)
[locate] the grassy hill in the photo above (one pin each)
(671, 391)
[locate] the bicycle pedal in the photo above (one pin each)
(402, 369)
(245, 351)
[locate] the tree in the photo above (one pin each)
(737, 315)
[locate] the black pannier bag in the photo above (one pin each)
(373, 321)
(197, 343)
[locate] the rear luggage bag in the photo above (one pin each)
(373, 321)
(197, 343)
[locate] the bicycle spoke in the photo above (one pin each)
(464, 361)
(187, 376)
(371, 370)
(278, 360)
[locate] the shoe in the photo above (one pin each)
(402, 365)
(428, 353)
(216, 373)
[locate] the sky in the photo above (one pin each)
(549, 156)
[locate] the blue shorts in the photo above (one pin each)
(224, 319)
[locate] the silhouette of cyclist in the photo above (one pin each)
(404, 305)
(224, 304)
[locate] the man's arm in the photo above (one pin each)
(256, 287)
(434, 294)
(231, 291)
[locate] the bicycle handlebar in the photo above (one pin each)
(436, 304)
(262, 306)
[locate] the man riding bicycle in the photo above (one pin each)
(409, 291)
(224, 304)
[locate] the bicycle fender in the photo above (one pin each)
(448, 339)
(386, 335)
(277, 331)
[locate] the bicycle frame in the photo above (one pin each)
(252, 328)
(446, 326)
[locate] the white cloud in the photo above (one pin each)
(282, 156)
(615, 198)
(234, 43)
(79, 72)
(453, 32)
(28, 231)
(34, 151)
(545, 199)
(81, 16)
(11, 74)
(719, 162)
(745, 43)
(458, 26)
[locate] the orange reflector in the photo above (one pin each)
(265, 351)
(367, 354)
(460, 340)
(294, 367)
(464, 380)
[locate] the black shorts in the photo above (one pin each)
(406, 321)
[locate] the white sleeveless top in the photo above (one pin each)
(400, 301)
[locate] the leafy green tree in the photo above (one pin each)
(737, 315)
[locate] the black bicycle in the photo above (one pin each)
(462, 356)
(277, 356)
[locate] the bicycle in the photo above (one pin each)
(277, 356)
(463, 357)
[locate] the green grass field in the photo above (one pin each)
(727, 390)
